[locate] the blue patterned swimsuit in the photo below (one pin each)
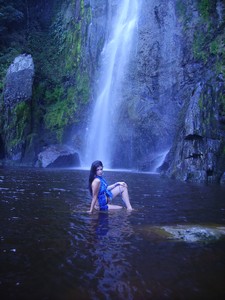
(103, 194)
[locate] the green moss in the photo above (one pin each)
(19, 124)
(199, 50)
(61, 86)
(82, 88)
(208, 43)
(205, 7)
(82, 7)
(52, 96)
(217, 49)
(214, 47)
(60, 114)
(200, 102)
(221, 100)
(181, 8)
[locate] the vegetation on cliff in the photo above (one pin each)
(179, 57)
(201, 136)
(54, 34)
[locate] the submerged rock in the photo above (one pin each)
(58, 156)
(186, 233)
(195, 233)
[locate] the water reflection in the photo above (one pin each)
(101, 225)
(106, 249)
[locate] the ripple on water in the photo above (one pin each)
(116, 255)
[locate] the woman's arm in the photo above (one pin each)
(95, 189)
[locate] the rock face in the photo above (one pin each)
(172, 92)
(19, 80)
(58, 156)
(17, 113)
(151, 100)
(198, 151)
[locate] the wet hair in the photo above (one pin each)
(92, 174)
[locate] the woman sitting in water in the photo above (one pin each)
(102, 192)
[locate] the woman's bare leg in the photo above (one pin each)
(123, 191)
(125, 197)
(112, 206)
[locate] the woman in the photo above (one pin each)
(102, 192)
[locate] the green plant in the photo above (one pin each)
(205, 8)
(181, 8)
(214, 47)
(60, 114)
(19, 124)
(54, 95)
(199, 50)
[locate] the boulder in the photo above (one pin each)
(195, 233)
(189, 233)
(19, 80)
(58, 156)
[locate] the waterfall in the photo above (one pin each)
(114, 59)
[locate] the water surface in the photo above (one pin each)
(52, 249)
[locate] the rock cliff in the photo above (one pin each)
(198, 150)
(173, 92)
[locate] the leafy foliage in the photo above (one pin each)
(19, 124)
(206, 7)
(55, 39)
(60, 113)
(209, 36)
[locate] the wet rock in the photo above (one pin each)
(58, 156)
(19, 80)
(197, 153)
(195, 233)
(186, 233)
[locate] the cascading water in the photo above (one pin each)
(114, 59)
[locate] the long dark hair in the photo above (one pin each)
(92, 174)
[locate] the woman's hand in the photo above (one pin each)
(112, 186)
(122, 183)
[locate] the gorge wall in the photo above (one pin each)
(173, 91)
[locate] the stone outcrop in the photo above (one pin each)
(198, 150)
(58, 156)
(19, 80)
(17, 94)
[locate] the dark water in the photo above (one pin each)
(52, 249)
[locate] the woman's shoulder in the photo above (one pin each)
(96, 183)
(96, 180)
